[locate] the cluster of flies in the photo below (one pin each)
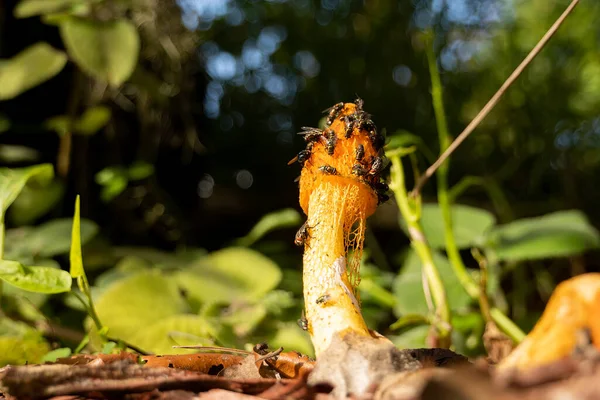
(367, 170)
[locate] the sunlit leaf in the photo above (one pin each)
(469, 225)
(559, 234)
(20, 343)
(92, 120)
(12, 181)
(140, 170)
(29, 8)
(138, 301)
(408, 286)
(105, 50)
(32, 66)
(75, 256)
(35, 201)
(415, 338)
(280, 219)
(15, 154)
(54, 237)
(35, 279)
(53, 355)
(160, 335)
(244, 318)
(60, 124)
(230, 274)
(289, 336)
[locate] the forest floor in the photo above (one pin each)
(265, 374)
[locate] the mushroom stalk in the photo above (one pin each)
(330, 303)
(339, 188)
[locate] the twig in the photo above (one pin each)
(494, 100)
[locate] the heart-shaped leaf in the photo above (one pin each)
(137, 302)
(29, 8)
(469, 225)
(106, 50)
(230, 274)
(408, 286)
(559, 234)
(12, 182)
(35, 279)
(32, 66)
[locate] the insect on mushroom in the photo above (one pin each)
(311, 134)
(301, 157)
(303, 322)
(302, 235)
(333, 112)
(376, 166)
(331, 141)
(358, 170)
(360, 152)
(349, 123)
(328, 169)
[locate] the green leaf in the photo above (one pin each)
(559, 234)
(20, 343)
(404, 139)
(408, 286)
(244, 318)
(75, 256)
(105, 50)
(289, 336)
(54, 237)
(29, 8)
(60, 124)
(160, 335)
(140, 170)
(230, 274)
(280, 219)
(10, 154)
(414, 338)
(113, 181)
(469, 225)
(35, 279)
(32, 66)
(35, 201)
(12, 182)
(92, 120)
(53, 355)
(137, 302)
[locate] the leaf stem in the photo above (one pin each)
(444, 200)
(442, 174)
(411, 214)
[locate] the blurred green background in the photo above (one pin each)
(174, 122)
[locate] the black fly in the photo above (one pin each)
(360, 152)
(376, 166)
(334, 112)
(358, 170)
(349, 123)
(331, 141)
(311, 134)
(328, 169)
(301, 235)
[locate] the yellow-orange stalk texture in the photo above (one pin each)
(339, 189)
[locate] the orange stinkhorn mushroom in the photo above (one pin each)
(339, 188)
(574, 307)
